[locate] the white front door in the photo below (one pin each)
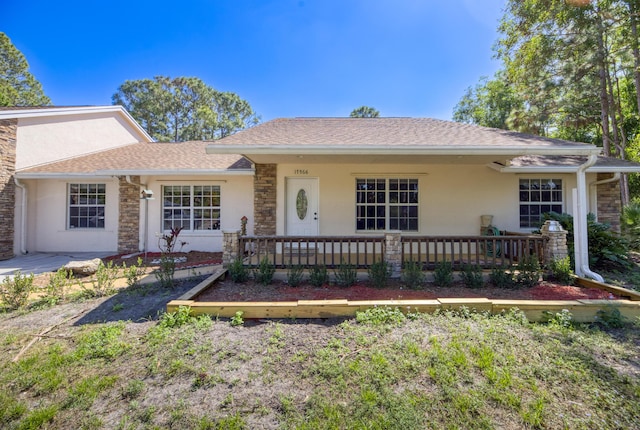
(302, 207)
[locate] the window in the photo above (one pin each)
(86, 205)
(539, 196)
(387, 204)
(192, 207)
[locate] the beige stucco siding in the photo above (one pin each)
(452, 197)
(46, 139)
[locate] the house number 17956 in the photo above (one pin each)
(301, 171)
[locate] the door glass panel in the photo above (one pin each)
(302, 204)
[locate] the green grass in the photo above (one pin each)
(380, 370)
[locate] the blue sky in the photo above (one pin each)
(287, 58)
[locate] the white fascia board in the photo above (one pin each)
(399, 150)
(562, 169)
(61, 176)
(179, 172)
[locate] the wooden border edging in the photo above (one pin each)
(582, 310)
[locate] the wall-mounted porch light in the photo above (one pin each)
(146, 195)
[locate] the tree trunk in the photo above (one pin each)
(604, 103)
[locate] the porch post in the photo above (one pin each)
(230, 247)
(555, 248)
(393, 252)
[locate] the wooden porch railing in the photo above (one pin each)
(485, 251)
(330, 251)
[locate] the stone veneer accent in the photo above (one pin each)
(129, 218)
(264, 199)
(609, 202)
(8, 130)
(556, 247)
(230, 247)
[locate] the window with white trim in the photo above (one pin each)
(539, 196)
(192, 207)
(86, 205)
(386, 204)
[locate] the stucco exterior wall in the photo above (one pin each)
(452, 197)
(46, 139)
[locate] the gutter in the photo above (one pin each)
(23, 215)
(580, 231)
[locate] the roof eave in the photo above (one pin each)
(562, 169)
(111, 173)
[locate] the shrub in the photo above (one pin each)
(630, 222)
(237, 319)
(56, 288)
(561, 270)
(295, 275)
(238, 271)
(379, 274)
(15, 291)
(528, 271)
(443, 274)
(412, 275)
(104, 279)
(610, 317)
(346, 274)
(264, 273)
(472, 276)
(166, 271)
(502, 277)
(318, 276)
(133, 273)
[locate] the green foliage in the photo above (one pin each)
(183, 317)
(57, 286)
(166, 271)
(18, 87)
(443, 274)
(346, 274)
(562, 319)
(237, 319)
(295, 275)
(502, 277)
(630, 223)
(380, 315)
(379, 274)
(528, 271)
(104, 278)
(265, 271)
(472, 275)
(318, 275)
(561, 270)
(15, 290)
(412, 275)
(238, 271)
(364, 112)
(103, 342)
(610, 317)
(133, 273)
(184, 108)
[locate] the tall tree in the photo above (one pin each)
(184, 108)
(364, 112)
(18, 87)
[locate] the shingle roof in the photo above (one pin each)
(146, 157)
(571, 163)
(383, 132)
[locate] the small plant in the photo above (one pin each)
(472, 276)
(56, 288)
(318, 276)
(133, 273)
(412, 275)
(528, 271)
(15, 291)
(380, 315)
(443, 274)
(561, 270)
(295, 275)
(166, 271)
(562, 319)
(502, 277)
(167, 242)
(104, 279)
(610, 317)
(265, 271)
(346, 274)
(379, 274)
(238, 271)
(237, 319)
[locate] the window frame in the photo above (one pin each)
(195, 213)
(552, 187)
(87, 200)
(379, 214)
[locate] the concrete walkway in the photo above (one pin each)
(41, 262)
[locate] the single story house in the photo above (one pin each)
(296, 177)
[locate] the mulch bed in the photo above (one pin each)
(193, 259)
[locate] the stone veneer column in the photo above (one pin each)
(230, 247)
(609, 202)
(8, 129)
(264, 199)
(556, 247)
(129, 219)
(393, 252)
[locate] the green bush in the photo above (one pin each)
(412, 275)
(133, 273)
(528, 271)
(318, 276)
(379, 274)
(165, 272)
(15, 291)
(443, 274)
(346, 274)
(630, 223)
(561, 271)
(295, 275)
(472, 275)
(265, 271)
(502, 277)
(57, 286)
(238, 271)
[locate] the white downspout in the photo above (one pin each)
(23, 216)
(146, 215)
(580, 231)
